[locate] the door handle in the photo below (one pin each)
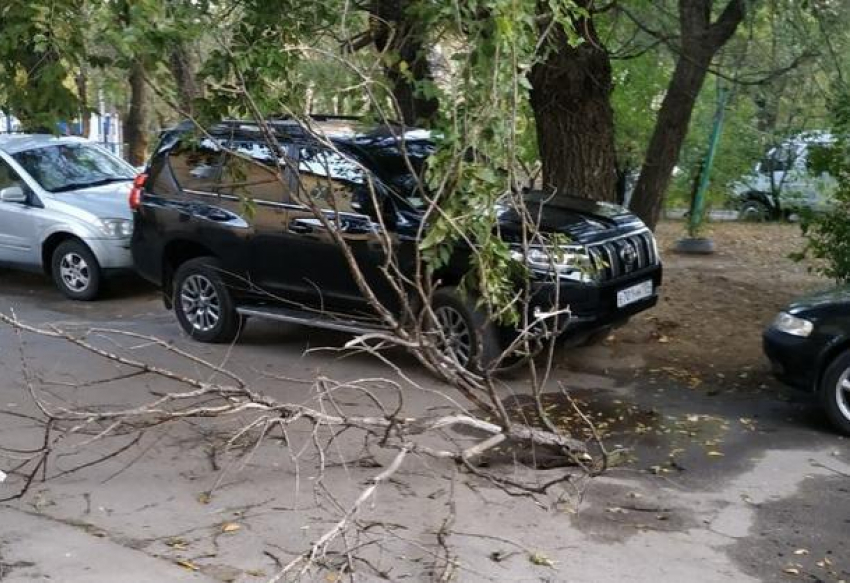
(358, 228)
(300, 226)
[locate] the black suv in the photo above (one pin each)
(227, 240)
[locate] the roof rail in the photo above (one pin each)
(317, 117)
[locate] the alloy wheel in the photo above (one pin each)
(200, 302)
(456, 338)
(75, 272)
(842, 394)
(754, 212)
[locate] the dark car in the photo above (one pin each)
(808, 345)
(226, 240)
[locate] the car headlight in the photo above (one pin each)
(116, 228)
(793, 325)
(568, 262)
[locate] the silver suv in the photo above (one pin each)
(64, 210)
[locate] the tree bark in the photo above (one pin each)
(700, 41)
(671, 129)
(136, 121)
(394, 30)
(83, 96)
(183, 65)
(570, 98)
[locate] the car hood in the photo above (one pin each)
(582, 220)
(104, 202)
(822, 301)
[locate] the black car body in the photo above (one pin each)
(279, 255)
(808, 345)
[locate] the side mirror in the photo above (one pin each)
(14, 194)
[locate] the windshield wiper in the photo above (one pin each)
(99, 182)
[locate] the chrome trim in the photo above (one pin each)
(340, 326)
(609, 250)
(625, 236)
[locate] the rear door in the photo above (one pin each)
(255, 185)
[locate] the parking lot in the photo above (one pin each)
(739, 484)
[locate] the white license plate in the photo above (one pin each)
(634, 293)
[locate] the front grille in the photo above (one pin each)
(619, 257)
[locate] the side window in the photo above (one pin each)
(8, 177)
(197, 166)
(331, 180)
(253, 173)
(822, 159)
(779, 160)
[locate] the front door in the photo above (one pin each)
(18, 233)
(316, 265)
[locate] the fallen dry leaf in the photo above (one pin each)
(791, 570)
(801, 552)
(541, 560)
(177, 544)
(230, 527)
(186, 564)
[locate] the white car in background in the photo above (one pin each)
(788, 180)
(64, 210)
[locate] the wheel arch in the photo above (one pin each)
(833, 351)
(177, 252)
(49, 245)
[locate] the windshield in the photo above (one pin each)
(67, 167)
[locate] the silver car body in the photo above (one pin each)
(27, 231)
(785, 173)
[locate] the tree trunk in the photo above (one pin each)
(415, 109)
(136, 122)
(700, 41)
(570, 98)
(671, 129)
(394, 30)
(182, 63)
(83, 96)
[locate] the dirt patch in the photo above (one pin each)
(713, 308)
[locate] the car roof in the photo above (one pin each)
(14, 143)
(340, 129)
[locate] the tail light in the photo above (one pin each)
(136, 191)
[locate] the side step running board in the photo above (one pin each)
(312, 320)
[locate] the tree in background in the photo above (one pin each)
(699, 41)
(571, 88)
(40, 51)
(828, 233)
(610, 88)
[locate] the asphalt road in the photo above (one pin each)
(717, 484)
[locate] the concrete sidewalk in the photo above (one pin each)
(36, 548)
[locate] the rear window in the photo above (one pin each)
(244, 168)
(197, 166)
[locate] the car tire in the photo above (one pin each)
(472, 337)
(835, 392)
(76, 271)
(202, 303)
(755, 211)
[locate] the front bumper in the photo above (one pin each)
(793, 359)
(592, 306)
(112, 254)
